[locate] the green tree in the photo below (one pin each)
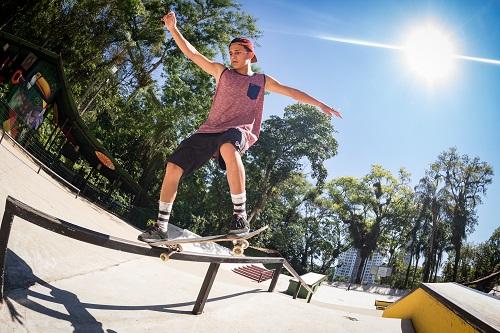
(395, 241)
(401, 215)
(284, 215)
(366, 206)
(432, 194)
(324, 237)
(492, 261)
(419, 231)
(304, 230)
(466, 180)
(138, 119)
(285, 143)
(477, 262)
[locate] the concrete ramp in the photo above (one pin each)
(448, 307)
(59, 284)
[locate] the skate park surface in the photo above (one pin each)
(59, 284)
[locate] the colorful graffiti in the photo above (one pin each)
(30, 84)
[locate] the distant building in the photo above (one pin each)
(350, 259)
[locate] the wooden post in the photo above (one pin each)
(205, 288)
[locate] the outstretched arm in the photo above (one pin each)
(213, 68)
(274, 86)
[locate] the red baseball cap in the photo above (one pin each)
(246, 43)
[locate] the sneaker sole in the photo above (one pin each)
(239, 231)
(152, 240)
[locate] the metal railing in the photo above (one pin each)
(76, 182)
(17, 208)
(40, 164)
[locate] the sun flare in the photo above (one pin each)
(429, 53)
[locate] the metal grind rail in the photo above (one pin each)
(17, 208)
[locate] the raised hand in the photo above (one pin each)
(170, 20)
(330, 111)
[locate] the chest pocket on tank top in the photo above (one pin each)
(253, 91)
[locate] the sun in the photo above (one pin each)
(429, 53)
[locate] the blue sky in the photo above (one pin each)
(391, 115)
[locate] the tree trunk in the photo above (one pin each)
(428, 268)
(458, 247)
(304, 257)
(458, 233)
(436, 267)
(417, 259)
(333, 255)
(407, 275)
(149, 169)
(257, 208)
(359, 273)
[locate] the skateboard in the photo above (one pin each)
(240, 242)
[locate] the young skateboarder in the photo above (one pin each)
(232, 126)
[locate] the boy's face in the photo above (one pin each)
(239, 55)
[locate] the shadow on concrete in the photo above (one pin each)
(19, 277)
(407, 326)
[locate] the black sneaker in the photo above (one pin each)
(239, 225)
(153, 234)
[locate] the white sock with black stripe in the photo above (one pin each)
(239, 204)
(164, 215)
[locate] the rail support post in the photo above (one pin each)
(276, 275)
(8, 218)
(205, 288)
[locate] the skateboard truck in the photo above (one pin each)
(239, 246)
(165, 256)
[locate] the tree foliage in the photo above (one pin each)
(466, 180)
(369, 207)
(476, 262)
(140, 96)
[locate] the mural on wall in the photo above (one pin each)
(31, 84)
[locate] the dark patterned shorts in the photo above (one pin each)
(195, 151)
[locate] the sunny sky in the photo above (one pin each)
(397, 112)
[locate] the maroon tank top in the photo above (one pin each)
(238, 103)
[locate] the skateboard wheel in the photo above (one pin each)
(178, 248)
(237, 251)
(164, 256)
(245, 244)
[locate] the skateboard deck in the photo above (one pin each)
(240, 241)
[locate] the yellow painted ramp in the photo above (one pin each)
(447, 307)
